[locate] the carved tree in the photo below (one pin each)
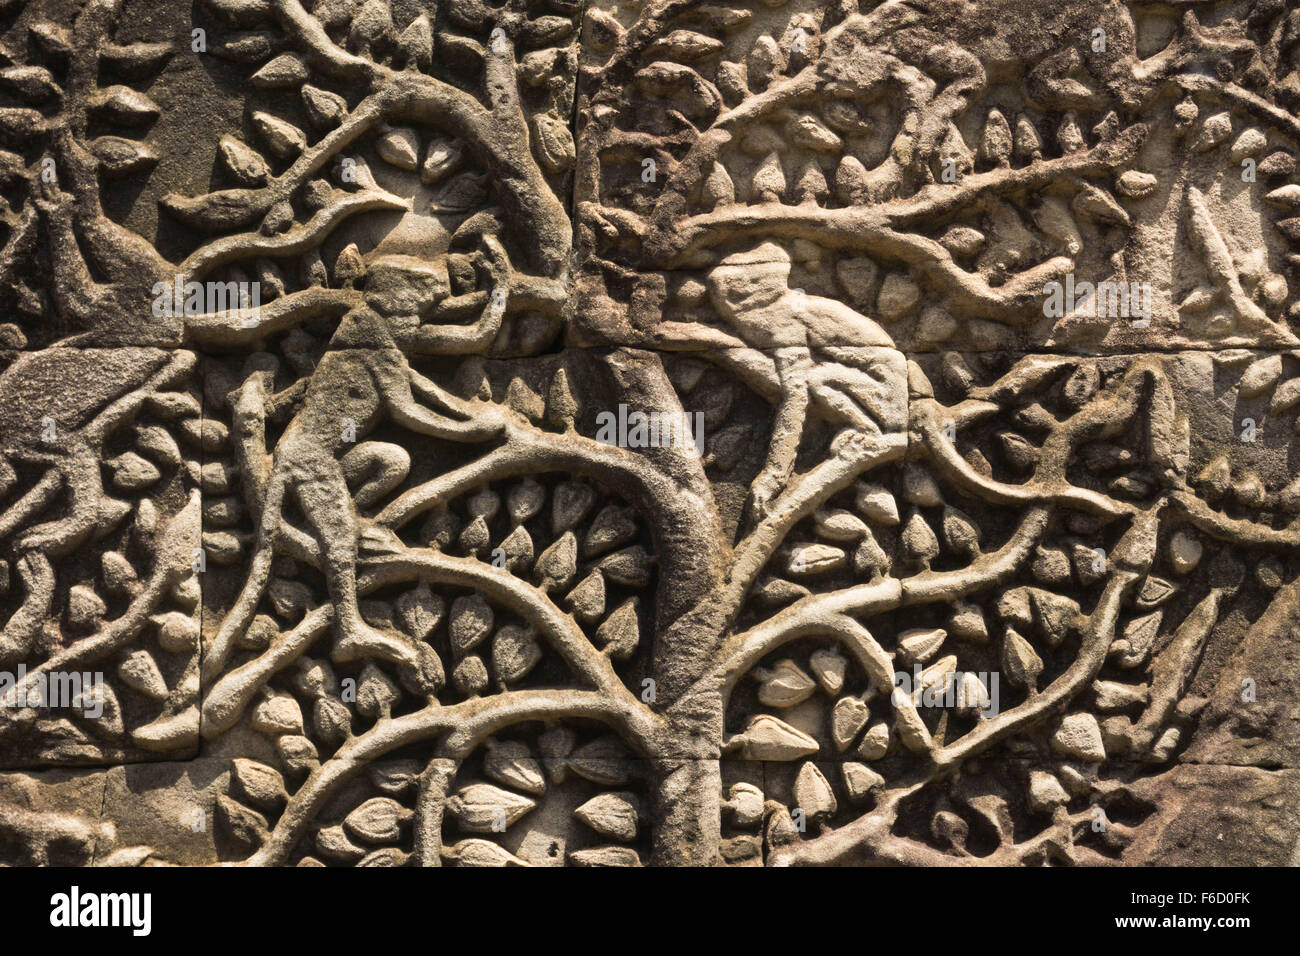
(521, 603)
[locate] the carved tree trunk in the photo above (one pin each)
(686, 773)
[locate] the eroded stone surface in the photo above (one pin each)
(930, 171)
(619, 434)
(1195, 827)
(102, 451)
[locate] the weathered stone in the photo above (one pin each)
(622, 434)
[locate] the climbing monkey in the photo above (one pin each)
(819, 350)
(361, 379)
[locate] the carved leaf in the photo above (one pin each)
(378, 820)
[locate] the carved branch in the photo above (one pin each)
(470, 721)
(297, 240)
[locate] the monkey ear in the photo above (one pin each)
(481, 224)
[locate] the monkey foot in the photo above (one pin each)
(419, 666)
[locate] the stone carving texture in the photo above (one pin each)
(568, 432)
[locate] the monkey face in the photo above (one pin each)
(406, 286)
(735, 288)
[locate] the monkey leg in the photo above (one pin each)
(375, 468)
(327, 506)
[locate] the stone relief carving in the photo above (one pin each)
(550, 433)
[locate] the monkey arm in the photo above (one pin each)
(691, 336)
(249, 406)
(440, 398)
(409, 414)
(459, 339)
(446, 337)
(754, 367)
(79, 170)
(456, 308)
(395, 384)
